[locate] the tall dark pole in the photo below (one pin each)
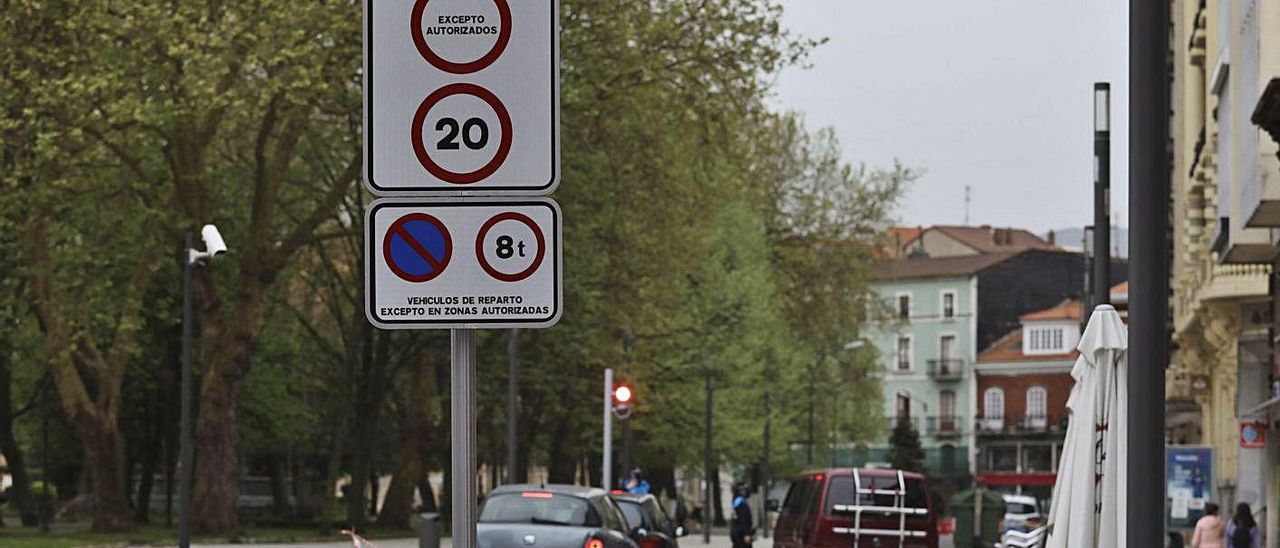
(813, 373)
(706, 508)
(187, 452)
(1149, 175)
(626, 445)
(1101, 194)
(46, 505)
(512, 389)
(765, 480)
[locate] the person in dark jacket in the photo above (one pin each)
(1242, 530)
(743, 530)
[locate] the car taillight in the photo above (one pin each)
(651, 542)
(594, 543)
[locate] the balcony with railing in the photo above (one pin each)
(1026, 424)
(989, 424)
(946, 369)
(942, 426)
(1033, 423)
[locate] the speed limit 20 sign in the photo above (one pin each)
(461, 97)
(463, 263)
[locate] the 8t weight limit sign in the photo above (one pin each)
(464, 263)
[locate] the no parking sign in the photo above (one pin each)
(463, 263)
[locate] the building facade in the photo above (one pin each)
(1225, 207)
(944, 309)
(928, 351)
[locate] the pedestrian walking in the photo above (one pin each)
(743, 530)
(636, 483)
(1210, 531)
(1242, 531)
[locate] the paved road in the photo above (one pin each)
(694, 541)
(688, 542)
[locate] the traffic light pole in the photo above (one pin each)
(606, 472)
(626, 445)
(462, 418)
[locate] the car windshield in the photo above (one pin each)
(841, 492)
(538, 507)
(1019, 508)
(631, 511)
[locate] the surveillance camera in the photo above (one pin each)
(213, 244)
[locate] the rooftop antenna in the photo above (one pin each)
(966, 205)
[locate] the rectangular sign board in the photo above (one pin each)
(464, 263)
(1189, 484)
(461, 97)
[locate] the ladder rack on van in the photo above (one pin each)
(899, 507)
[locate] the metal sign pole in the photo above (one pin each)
(463, 421)
(606, 479)
(513, 386)
(187, 452)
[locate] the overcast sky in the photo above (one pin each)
(994, 94)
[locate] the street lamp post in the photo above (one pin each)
(1101, 194)
(214, 246)
(708, 456)
(1149, 181)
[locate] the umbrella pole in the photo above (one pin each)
(1148, 268)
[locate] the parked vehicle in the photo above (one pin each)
(551, 516)
(1022, 513)
(650, 527)
(857, 507)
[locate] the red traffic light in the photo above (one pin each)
(622, 394)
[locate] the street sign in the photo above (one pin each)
(463, 263)
(1253, 435)
(461, 97)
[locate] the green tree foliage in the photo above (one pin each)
(905, 452)
(706, 235)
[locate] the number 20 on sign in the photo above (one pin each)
(461, 97)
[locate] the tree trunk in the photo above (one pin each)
(21, 490)
(217, 483)
(398, 504)
(146, 483)
(279, 486)
(325, 512)
(562, 463)
(104, 456)
(716, 502)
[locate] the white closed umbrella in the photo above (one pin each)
(1090, 490)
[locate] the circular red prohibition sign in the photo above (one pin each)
(484, 233)
(420, 148)
(417, 238)
(420, 41)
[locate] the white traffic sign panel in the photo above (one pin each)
(461, 97)
(463, 263)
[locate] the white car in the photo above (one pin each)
(1022, 513)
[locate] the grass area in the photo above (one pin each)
(77, 535)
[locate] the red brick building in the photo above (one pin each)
(1023, 382)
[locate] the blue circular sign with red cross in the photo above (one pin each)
(417, 247)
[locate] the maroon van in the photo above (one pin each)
(857, 507)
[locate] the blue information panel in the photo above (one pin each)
(1189, 482)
